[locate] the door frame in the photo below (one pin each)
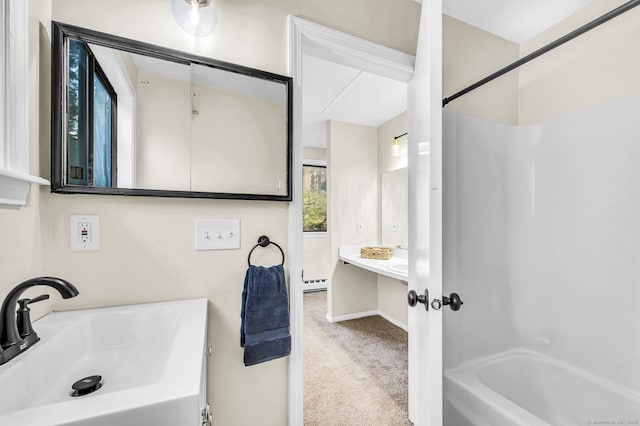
(320, 41)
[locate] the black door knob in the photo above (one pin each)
(413, 298)
(453, 301)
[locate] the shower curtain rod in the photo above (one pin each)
(562, 40)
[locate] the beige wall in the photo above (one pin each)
(147, 243)
(230, 126)
(386, 132)
(392, 294)
(357, 157)
(470, 54)
(596, 67)
(317, 256)
(163, 128)
(129, 66)
(249, 33)
(353, 198)
(386, 160)
(178, 149)
(24, 236)
(309, 153)
(392, 299)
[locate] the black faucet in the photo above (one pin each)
(12, 340)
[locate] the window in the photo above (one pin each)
(91, 121)
(314, 193)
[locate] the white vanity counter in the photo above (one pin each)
(397, 267)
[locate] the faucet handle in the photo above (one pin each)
(23, 318)
(24, 302)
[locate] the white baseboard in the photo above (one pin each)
(351, 316)
(394, 321)
(367, 314)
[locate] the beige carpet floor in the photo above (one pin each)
(355, 372)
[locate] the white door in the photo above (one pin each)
(425, 222)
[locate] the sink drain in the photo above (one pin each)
(86, 386)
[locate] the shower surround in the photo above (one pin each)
(542, 238)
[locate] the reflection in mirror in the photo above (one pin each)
(238, 116)
(90, 120)
(394, 208)
(150, 136)
(162, 124)
(136, 119)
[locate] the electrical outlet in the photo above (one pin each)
(360, 227)
(394, 227)
(85, 232)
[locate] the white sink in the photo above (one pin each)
(401, 268)
(151, 358)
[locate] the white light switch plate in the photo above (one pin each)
(217, 234)
(84, 232)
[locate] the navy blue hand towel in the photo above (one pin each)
(264, 329)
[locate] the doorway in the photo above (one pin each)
(331, 47)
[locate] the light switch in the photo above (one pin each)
(217, 234)
(84, 232)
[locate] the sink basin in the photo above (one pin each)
(402, 268)
(151, 358)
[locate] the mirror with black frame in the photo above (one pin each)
(130, 118)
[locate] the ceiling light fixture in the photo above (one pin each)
(196, 17)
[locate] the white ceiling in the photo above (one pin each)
(337, 92)
(213, 77)
(514, 20)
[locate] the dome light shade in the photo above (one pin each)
(196, 17)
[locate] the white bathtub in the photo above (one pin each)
(521, 387)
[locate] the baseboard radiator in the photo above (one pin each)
(314, 285)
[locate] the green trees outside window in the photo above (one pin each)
(91, 120)
(314, 192)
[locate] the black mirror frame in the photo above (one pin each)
(62, 31)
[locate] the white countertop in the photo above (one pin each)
(389, 268)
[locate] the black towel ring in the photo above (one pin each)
(264, 241)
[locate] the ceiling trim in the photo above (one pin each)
(345, 49)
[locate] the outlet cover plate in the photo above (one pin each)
(84, 232)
